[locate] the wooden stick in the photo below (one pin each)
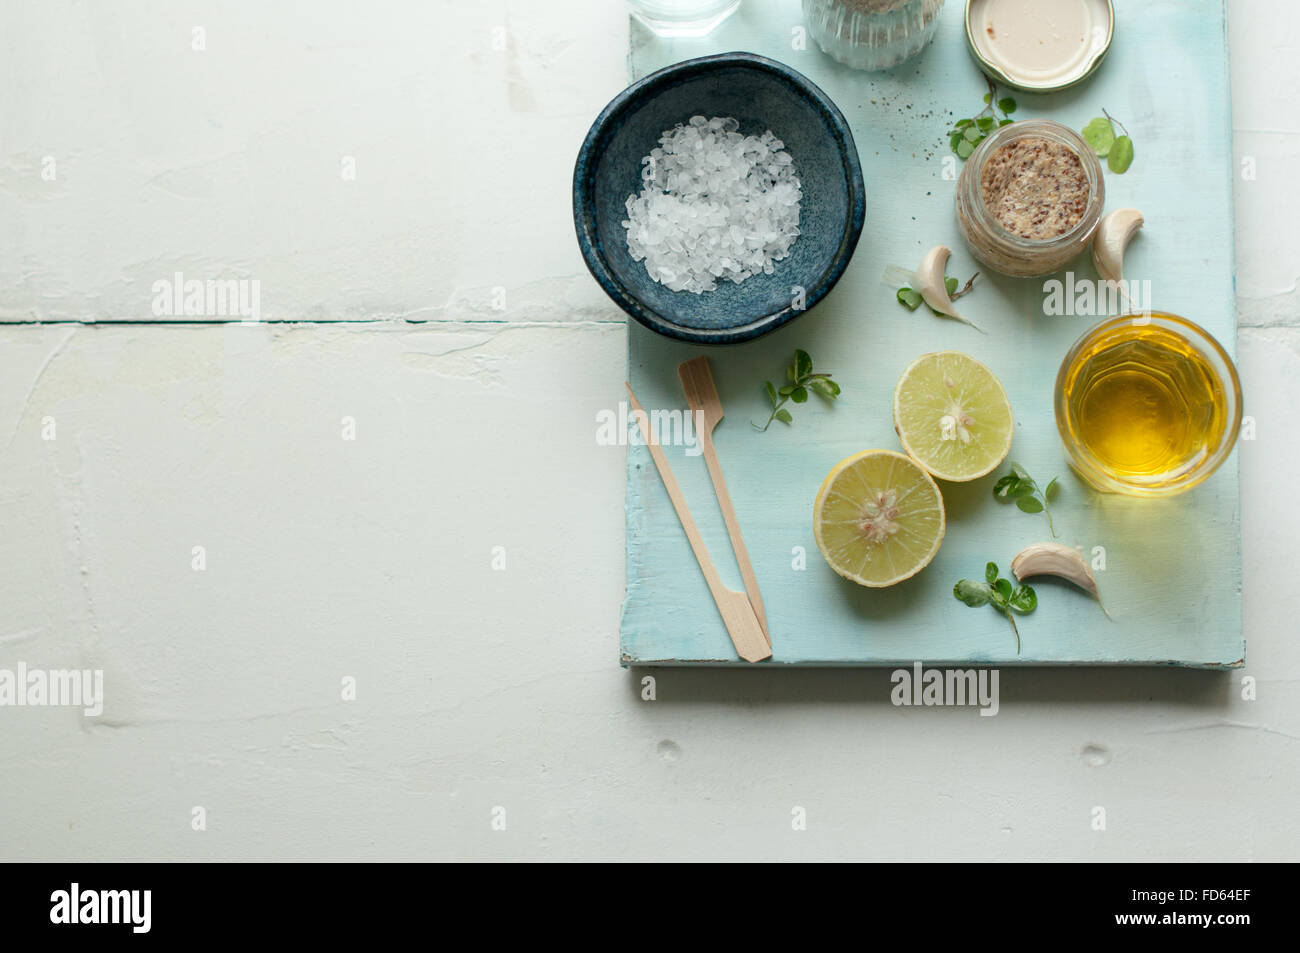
(702, 395)
(734, 607)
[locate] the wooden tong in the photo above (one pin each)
(702, 395)
(742, 618)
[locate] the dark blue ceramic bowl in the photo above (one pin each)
(761, 94)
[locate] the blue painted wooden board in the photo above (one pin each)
(1172, 577)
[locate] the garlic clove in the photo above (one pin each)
(932, 286)
(1054, 559)
(1057, 559)
(1114, 233)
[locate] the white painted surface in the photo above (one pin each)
(372, 558)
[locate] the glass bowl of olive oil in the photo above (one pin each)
(1147, 404)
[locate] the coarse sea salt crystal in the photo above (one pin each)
(713, 205)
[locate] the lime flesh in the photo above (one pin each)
(878, 518)
(952, 416)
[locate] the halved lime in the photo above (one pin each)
(878, 518)
(953, 416)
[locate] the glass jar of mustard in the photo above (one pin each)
(1029, 198)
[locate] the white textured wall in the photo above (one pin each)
(371, 558)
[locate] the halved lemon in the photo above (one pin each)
(953, 416)
(878, 518)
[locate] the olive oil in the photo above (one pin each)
(1144, 405)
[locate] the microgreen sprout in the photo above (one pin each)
(1020, 487)
(1001, 594)
(800, 379)
(966, 134)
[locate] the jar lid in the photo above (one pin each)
(1039, 45)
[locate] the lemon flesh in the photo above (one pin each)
(952, 416)
(878, 518)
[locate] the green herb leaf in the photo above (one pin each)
(1121, 155)
(802, 379)
(1020, 488)
(826, 388)
(909, 299)
(1005, 122)
(969, 132)
(1117, 151)
(1100, 134)
(999, 593)
(950, 284)
(972, 593)
(1024, 599)
(802, 365)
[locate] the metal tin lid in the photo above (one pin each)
(1039, 46)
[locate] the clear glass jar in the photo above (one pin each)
(685, 18)
(1156, 385)
(872, 34)
(1003, 250)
